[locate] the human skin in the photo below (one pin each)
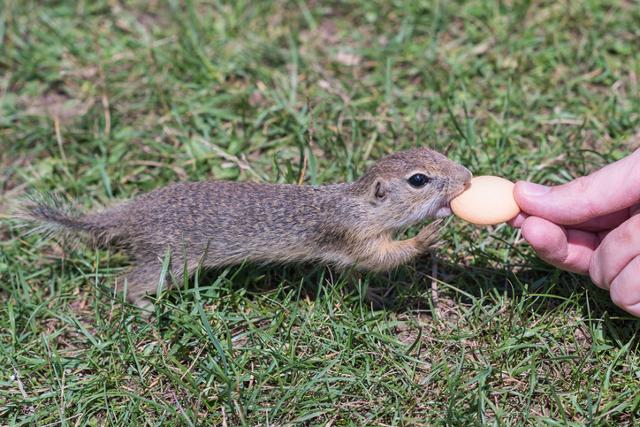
(591, 226)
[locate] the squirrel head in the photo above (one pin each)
(409, 186)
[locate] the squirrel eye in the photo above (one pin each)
(418, 180)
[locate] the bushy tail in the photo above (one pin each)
(52, 215)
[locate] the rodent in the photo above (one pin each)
(219, 223)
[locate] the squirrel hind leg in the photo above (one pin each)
(143, 281)
(140, 283)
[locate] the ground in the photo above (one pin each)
(102, 100)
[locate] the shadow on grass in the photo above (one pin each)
(543, 288)
(539, 288)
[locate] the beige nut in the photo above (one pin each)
(488, 200)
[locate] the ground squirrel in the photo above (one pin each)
(218, 223)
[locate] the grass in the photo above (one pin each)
(103, 100)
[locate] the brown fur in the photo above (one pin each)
(217, 223)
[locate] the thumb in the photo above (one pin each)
(610, 189)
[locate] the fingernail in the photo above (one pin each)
(529, 189)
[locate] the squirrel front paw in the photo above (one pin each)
(427, 238)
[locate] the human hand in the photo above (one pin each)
(590, 226)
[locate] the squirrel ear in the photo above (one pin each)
(379, 190)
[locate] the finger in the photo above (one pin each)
(518, 220)
(610, 189)
(567, 249)
(625, 288)
(616, 251)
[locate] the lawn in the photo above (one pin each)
(102, 100)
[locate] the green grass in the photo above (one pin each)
(103, 100)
